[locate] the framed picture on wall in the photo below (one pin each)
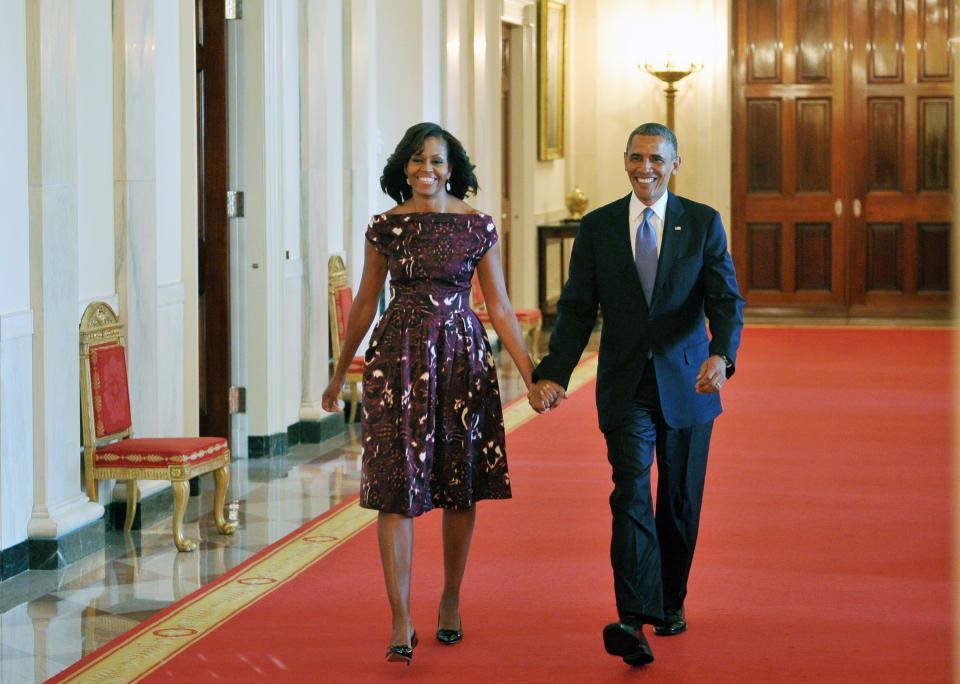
(551, 30)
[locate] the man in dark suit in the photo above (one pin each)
(658, 268)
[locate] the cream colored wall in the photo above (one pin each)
(609, 95)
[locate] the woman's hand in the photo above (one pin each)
(545, 395)
(330, 400)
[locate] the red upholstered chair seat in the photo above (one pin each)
(159, 452)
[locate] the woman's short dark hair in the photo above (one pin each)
(394, 179)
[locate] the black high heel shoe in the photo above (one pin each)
(402, 653)
(449, 636)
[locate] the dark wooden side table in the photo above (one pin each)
(552, 272)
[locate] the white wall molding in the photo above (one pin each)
(16, 324)
(171, 293)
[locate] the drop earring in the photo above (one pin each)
(408, 181)
(448, 186)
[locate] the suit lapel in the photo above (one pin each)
(622, 249)
(672, 237)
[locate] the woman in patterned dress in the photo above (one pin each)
(432, 421)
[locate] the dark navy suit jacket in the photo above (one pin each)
(695, 283)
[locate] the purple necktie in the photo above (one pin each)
(645, 253)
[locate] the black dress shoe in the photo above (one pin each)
(627, 642)
(673, 623)
(402, 653)
(450, 636)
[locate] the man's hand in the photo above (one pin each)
(545, 395)
(713, 373)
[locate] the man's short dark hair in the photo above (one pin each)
(656, 130)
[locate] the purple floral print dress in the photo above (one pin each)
(432, 421)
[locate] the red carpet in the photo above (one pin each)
(824, 556)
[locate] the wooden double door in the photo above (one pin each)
(842, 155)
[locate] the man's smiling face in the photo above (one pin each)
(649, 162)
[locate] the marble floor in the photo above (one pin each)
(49, 619)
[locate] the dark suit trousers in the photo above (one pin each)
(652, 552)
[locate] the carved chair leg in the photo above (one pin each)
(133, 494)
(93, 489)
(181, 493)
(221, 479)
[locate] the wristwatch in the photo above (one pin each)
(726, 360)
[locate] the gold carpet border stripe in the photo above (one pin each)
(147, 648)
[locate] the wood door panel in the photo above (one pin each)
(934, 144)
(842, 136)
(814, 41)
(763, 245)
(886, 37)
(764, 154)
(936, 62)
(813, 254)
(764, 40)
(814, 153)
(906, 151)
(933, 247)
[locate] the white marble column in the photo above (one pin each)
(59, 505)
(16, 316)
(408, 74)
(485, 149)
(136, 202)
(366, 144)
(322, 183)
(171, 294)
(271, 180)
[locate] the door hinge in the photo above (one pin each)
(238, 400)
(234, 203)
(233, 9)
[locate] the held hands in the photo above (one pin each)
(545, 395)
(712, 376)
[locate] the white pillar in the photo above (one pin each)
(366, 145)
(487, 130)
(322, 182)
(271, 174)
(16, 316)
(136, 203)
(169, 189)
(59, 504)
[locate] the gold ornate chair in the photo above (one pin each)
(109, 449)
(341, 298)
(530, 320)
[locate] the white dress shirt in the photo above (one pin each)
(656, 221)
